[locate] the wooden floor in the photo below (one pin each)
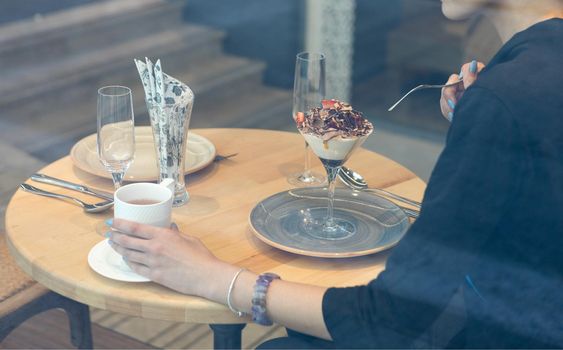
(172, 335)
(49, 330)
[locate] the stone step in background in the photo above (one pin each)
(85, 29)
(48, 97)
(76, 74)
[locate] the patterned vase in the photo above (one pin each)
(170, 122)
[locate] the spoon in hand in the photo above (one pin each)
(89, 208)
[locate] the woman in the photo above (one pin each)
(482, 265)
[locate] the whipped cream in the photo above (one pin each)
(337, 148)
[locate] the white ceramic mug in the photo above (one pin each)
(130, 203)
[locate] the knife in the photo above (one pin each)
(71, 186)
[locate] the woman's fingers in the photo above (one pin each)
(141, 269)
(128, 242)
(135, 229)
(451, 95)
(130, 255)
(470, 72)
(448, 99)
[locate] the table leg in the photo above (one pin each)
(78, 315)
(227, 336)
(79, 322)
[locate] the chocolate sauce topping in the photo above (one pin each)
(334, 119)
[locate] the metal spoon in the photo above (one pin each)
(89, 208)
(354, 180)
(420, 87)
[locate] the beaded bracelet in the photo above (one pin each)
(231, 286)
(259, 315)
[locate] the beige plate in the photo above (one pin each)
(200, 153)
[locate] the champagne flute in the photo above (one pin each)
(308, 92)
(116, 131)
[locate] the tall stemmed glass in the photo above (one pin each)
(116, 130)
(308, 92)
(332, 154)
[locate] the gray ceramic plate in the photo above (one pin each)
(280, 221)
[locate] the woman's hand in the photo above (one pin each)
(183, 263)
(170, 258)
(451, 95)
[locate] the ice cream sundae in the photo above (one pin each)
(334, 130)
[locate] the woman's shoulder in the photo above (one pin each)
(525, 85)
(526, 73)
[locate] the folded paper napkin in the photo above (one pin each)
(161, 88)
(169, 103)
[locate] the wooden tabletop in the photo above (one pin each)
(50, 239)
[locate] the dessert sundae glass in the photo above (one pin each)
(333, 132)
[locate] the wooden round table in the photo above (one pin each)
(50, 239)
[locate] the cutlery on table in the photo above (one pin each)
(410, 212)
(71, 186)
(421, 87)
(355, 181)
(219, 157)
(89, 208)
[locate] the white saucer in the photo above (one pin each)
(105, 261)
